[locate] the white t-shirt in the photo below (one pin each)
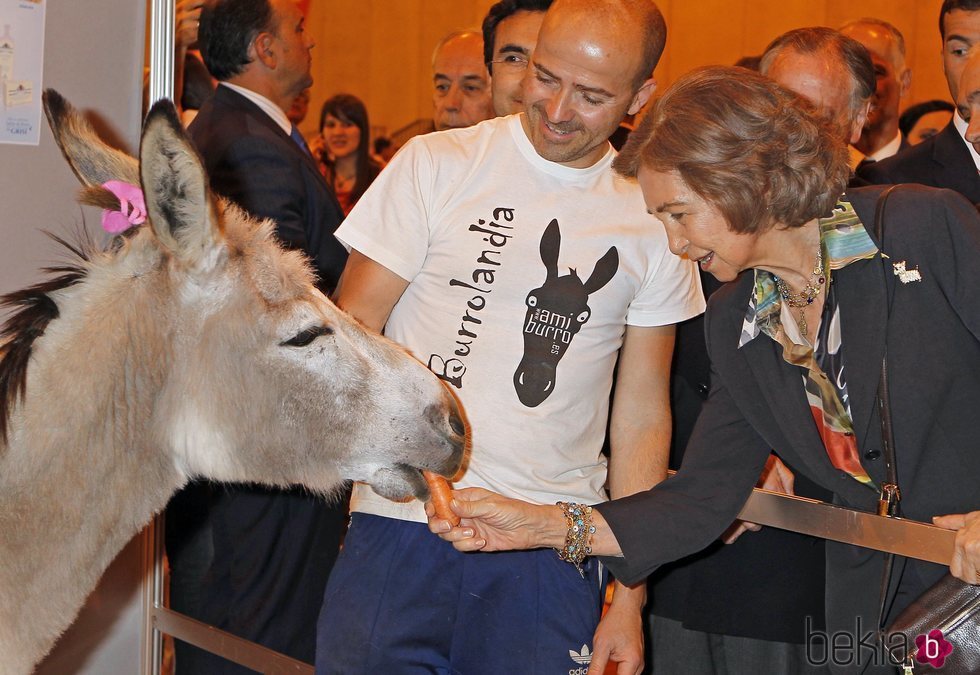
(523, 275)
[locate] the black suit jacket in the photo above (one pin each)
(757, 402)
(253, 162)
(251, 560)
(942, 161)
(717, 590)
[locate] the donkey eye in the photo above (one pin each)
(583, 316)
(532, 301)
(307, 336)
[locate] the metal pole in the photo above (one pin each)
(161, 85)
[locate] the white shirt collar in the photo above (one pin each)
(268, 107)
(888, 149)
(885, 151)
(961, 126)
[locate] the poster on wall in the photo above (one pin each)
(21, 65)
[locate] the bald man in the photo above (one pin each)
(511, 260)
(881, 137)
(460, 82)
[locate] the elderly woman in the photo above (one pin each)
(749, 183)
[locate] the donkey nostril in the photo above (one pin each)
(456, 423)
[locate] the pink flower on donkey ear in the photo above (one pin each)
(132, 208)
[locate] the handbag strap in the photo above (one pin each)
(888, 501)
(884, 407)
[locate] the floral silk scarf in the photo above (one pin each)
(844, 240)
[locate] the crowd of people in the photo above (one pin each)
(558, 288)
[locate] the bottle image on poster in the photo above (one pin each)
(21, 66)
(6, 55)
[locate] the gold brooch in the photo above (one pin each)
(904, 275)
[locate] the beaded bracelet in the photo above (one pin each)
(578, 540)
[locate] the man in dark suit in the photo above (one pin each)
(249, 560)
(946, 160)
(881, 137)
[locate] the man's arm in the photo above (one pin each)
(640, 446)
(368, 290)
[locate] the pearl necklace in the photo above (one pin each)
(809, 293)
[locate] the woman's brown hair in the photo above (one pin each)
(758, 152)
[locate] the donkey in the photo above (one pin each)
(556, 311)
(192, 347)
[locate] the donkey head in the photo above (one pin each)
(256, 376)
(556, 311)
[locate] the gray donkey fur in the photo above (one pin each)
(194, 347)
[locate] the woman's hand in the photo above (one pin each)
(316, 145)
(492, 522)
(186, 22)
(966, 554)
(776, 477)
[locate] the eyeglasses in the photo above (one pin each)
(514, 62)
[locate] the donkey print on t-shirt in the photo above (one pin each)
(556, 311)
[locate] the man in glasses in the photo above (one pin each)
(510, 33)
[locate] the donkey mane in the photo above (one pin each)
(33, 309)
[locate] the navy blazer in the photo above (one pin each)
(251, 560)
(757, 402)
(942, 161)
(254, 163)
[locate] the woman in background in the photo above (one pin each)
(346, 158)
(925, 120)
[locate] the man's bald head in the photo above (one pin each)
(886, 46)
(637, 24)
(591, 67)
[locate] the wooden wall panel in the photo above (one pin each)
(918, 22)
(380, 50)
(924, 47)
(766, 20)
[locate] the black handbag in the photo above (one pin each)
(951, 606)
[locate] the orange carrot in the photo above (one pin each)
(442, 494)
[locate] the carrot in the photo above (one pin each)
(441, 496)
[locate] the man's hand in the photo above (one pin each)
(775, 477)
(619, 637)
(966, 552)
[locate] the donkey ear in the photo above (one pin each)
(93, 161)
(175, 187)
(550, 246)
(604, 270)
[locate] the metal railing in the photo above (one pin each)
(157, 618)
(796, 514)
